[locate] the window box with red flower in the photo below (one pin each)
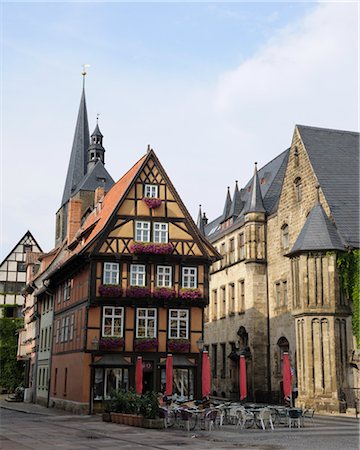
(143, 344)
(152, 202)
(164, 293)
(137, 292)
(152, 248)
(178, 345)
(191, 294)
(110, 290)
(111, 343)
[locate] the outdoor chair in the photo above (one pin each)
(232, 415)
(308, 414)
(188, 419)
(295, 417)
(265, 418)
(245, 418)
(209, 419)
(164, 414)
(220, 416)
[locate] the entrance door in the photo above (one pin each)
(148, 376)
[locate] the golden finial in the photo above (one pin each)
(83, 73)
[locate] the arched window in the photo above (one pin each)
(285, 236)
(298, 188)
(296, 156)
(283, 346)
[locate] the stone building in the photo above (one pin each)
(277, 287)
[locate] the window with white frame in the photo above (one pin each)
(178, 323)
(146, 322)
(62, 330)
(72, 319)
(67, 288)
(160, 232)
(57, 336)
(164, 276)
(142, 231)
(189, 277)
(113, 321)
(111, 273)
(137, 275)
(151, 190)
(67, 324)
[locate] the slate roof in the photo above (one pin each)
(334, 155)
(98, 176)
(236, 204)
(318, 233)
(78, 158)
(254, 201)
(271, 178)
(227, 205)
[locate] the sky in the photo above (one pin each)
(211, 86)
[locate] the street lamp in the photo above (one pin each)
(95, 343)
(200, 345)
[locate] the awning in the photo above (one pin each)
(180, 361)
(112, 361)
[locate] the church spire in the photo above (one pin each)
(255, 202)
(96, 151)
(78, 158)
(227, 206)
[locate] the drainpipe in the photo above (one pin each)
(268, 318)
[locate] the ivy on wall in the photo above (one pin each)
(12, 370)
(348, 264)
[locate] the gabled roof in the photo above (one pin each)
(255, 200)
(317, 234)
(334, 156)
(27, 236)
(78, 157)
(97, 176)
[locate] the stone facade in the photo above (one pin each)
(264, 302)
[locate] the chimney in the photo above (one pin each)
(99, 193)
(74, 218)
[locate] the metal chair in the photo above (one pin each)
(308, 414)
(295, 417)
(188, 419)
(246, 419)
(265, 418)
(210, 419)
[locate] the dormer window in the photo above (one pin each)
(285, 236)
(297, 185)
(151, 190)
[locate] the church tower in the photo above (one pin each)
(86, 171)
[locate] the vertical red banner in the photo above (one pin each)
(139, 376)
(169, 376)
(243, 386)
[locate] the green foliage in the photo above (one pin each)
(12, 371)
(129, 402)
(348, 264)
(149, 407)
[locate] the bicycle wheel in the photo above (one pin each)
(192, 421)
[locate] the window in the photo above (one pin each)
(298, 187)
(223, 360)
(284, 292)
(45, 339)
(111, 273)
(278, 294)
(164, 276)
(223, 301)
(142, 231)
(223, 254)
(146, 323)
(151, 190)
(62, 330)
(72, 318)
(231, 298)
(285, 236)
(214, 295)
(137, 275)
(241, 246)
(189, 277)
(50, 337)
(178, 323)
(21, 266)
(108, 380)
(42, 340)
(214, 360)
(67, 289)
(113, 320)
(231, 251)
(67, 323)
(57, 336)
(183, 382)
(58, 292)
(160, 232)
(242, 295)
(283, 346)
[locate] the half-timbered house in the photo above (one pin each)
(135, 284)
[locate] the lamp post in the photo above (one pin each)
(200, 346)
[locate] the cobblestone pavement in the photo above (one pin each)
(33, 427)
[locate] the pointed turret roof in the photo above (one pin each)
(237, 203)
(78, 158)
(200, 221)
(227, 206)
(318, 233)
(97, 131)
(97, 176)
(255, 201)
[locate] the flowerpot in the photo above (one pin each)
(115, 417)
(106, 417)
(153, 423)
(138, 421)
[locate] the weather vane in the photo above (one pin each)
(83, 73)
